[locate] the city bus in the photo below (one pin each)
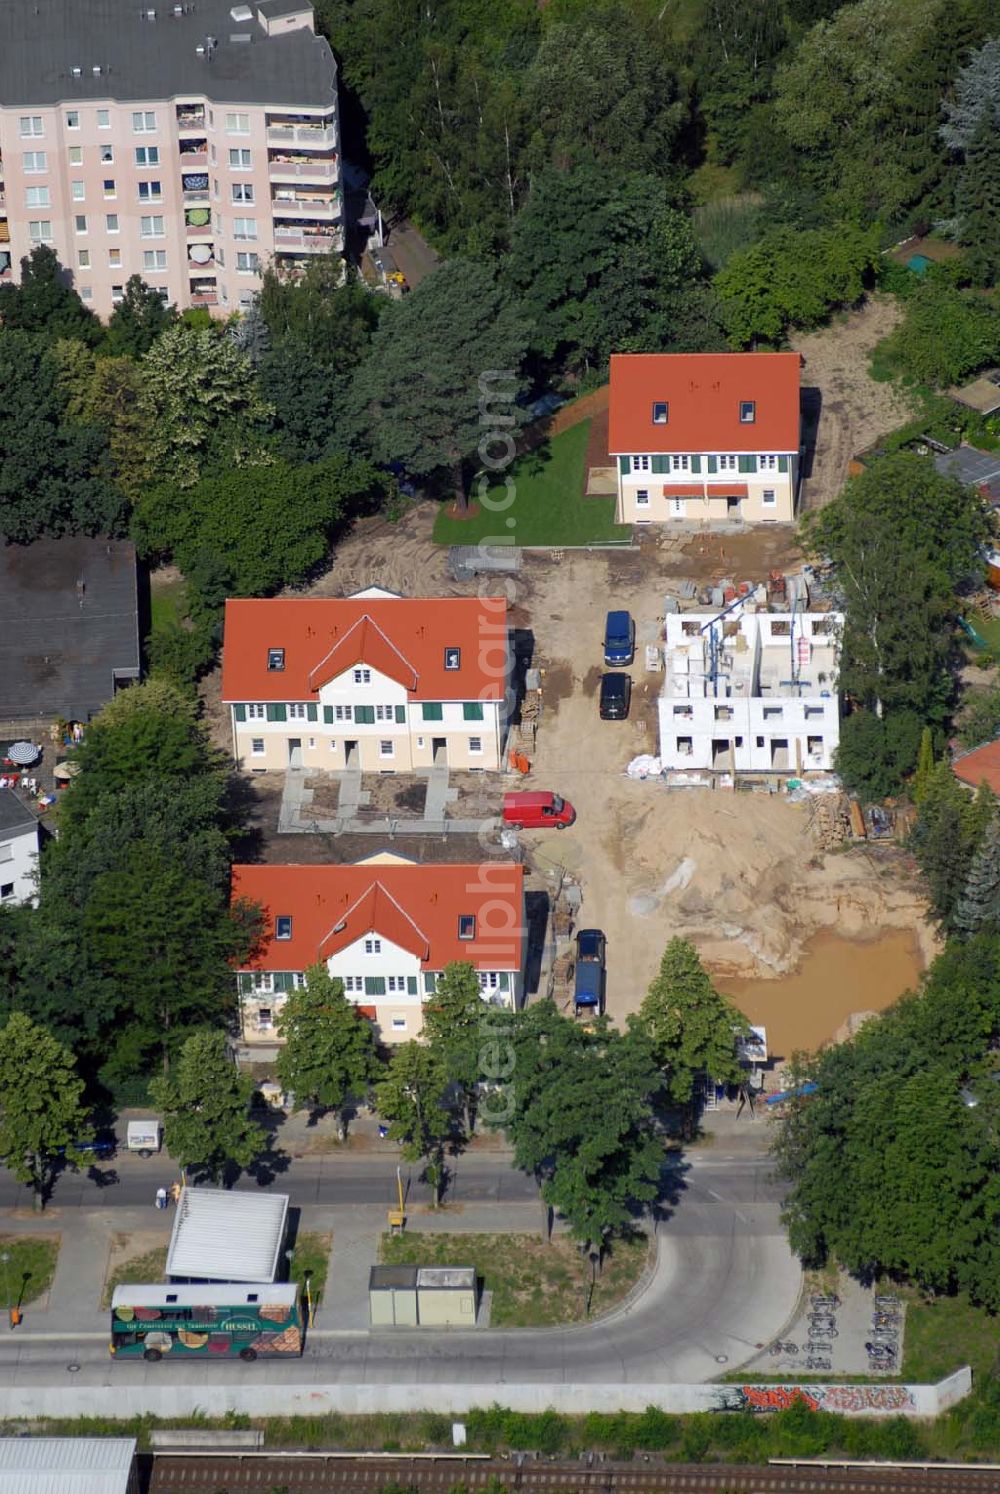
(245, 1320)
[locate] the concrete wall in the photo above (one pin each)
(268, 1398)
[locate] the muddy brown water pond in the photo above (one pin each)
(803, 1009)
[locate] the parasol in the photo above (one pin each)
(23, 753)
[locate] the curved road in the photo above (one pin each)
(724, 1283)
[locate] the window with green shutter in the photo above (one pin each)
(311, 712)
(240, 712)
(696, 464)
(623, 466)
(328, 715)
(364, 715)
(713, 464)
(244, 982)
(472, 710)
(400, 715)
(660, 464)
(782, 464)
(411, 985)
(430, 983)
(276, 712)
(374, 985)
(504, 980)
(433, 710)
(747, 463)
(283, 980)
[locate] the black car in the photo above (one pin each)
(616, 696)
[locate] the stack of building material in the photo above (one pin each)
(831, 821)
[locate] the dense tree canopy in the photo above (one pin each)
(891, 1169)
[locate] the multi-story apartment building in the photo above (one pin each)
(379, 682)
(750, 692)
(18, 850)
(189, 143)
(386, 928)
(705, 437)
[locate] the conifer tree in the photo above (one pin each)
(979, 906)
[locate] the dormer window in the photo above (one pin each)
(362, 676)
(283, 926)
(453, 658)
(467, 925)
(275, 658)
(661, 412)
(748, 411)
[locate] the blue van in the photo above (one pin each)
(619, 638)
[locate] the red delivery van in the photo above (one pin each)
(537, 811)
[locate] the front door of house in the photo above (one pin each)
(295, 752)
(678, 508)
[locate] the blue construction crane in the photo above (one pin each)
(713, 642)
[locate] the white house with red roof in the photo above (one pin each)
(386, 927)
(705, 437)
(384, 683)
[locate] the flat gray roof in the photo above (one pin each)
(68, 623)
(41, 41)
(970, 465)
(221, 1234)
(14, 815)
(65, 1465)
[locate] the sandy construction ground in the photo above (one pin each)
(845, 409)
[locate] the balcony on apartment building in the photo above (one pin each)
(198, 222)
(292, 166)
(200, 258)
(317, 238)
(190, 118)
(301, 129)
(194, 152)
(294, 201)
(204, 292)
(194, 187)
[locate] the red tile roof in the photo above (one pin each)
(703, 391)
(684, 490)
(982, 765)
(415, 907)
(404, 638)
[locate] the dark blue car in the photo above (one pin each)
(619, 638)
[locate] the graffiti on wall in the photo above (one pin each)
(851, 1399)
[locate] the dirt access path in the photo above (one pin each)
(844, 409)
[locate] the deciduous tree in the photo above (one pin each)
(45, 303)
(42, 1114)
(140, 317)
(454, 1021)
(796, 278)
(205, 1105)
(202, 405)
(330, 1056)
(413, 1100)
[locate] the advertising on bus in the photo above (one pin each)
(244, 1320)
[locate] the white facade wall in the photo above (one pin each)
(771, 493)
(324, 742)
(18, 866)
(749, 719)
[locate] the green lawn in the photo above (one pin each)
(535, 1283)
(167, 600)
(944, 1335)
(548, 506)
(149, 1268)
(27, 1266)
(312, 1253)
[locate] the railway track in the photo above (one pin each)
(289, 1473)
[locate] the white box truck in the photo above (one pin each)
(143, 1137)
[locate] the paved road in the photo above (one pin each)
(724, 1283)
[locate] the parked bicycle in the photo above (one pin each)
(783, 1348)
(887, 1301)
(819, 1364)
(820, 1332)
(821, 1301)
